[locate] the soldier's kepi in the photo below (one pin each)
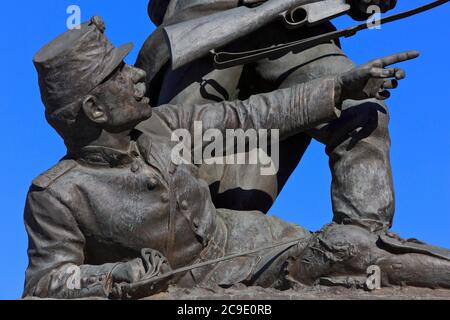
(69, 71)
(116, 213)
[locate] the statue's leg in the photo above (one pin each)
(342, 254)
(358, 144)
(415, 269)
(249, 230)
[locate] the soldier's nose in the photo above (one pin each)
(139, 75)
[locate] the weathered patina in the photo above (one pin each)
(117, 211)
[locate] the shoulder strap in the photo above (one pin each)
(47, 178)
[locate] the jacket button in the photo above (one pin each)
(184, 205)
(165, 197)
(195, 223)
(152, 183)
(134, 167)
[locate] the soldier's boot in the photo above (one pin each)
(415, 269)
(412, 262)
(342, 255)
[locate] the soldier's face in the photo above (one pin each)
(123, 96)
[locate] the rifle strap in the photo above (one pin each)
(224, 60)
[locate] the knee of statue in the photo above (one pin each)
(335, 250)
(367, 116)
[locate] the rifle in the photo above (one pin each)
(315, 13)
(193, 39)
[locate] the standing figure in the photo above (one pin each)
(358, 143)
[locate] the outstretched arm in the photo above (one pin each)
(290, 110)
(295, 109)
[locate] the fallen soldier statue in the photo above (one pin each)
(117, 218)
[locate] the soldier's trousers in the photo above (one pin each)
(358, 144)
(335, 255)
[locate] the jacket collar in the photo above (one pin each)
(105, 156)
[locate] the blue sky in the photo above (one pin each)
(420, 130)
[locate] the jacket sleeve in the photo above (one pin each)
(290, 110)
(56, 253)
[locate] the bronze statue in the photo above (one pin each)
(117, 212)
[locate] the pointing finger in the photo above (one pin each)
(396, 58)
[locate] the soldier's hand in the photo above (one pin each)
(137, 279)
(373, 79)
(128, 272)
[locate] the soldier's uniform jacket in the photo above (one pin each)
(102, 206)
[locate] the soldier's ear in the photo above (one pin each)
(93, 110)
